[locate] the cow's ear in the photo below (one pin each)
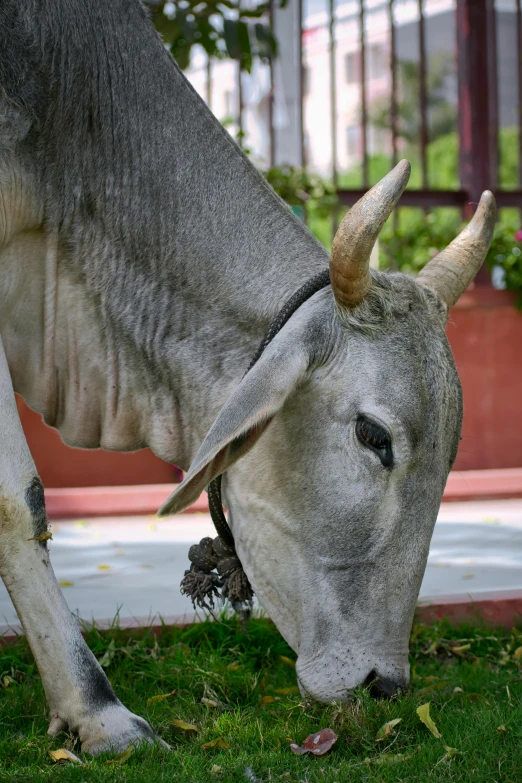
(246, 415)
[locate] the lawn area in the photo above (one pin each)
(238, 685)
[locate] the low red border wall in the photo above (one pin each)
(492, 608)
(74, 502)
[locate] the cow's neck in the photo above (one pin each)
(154, 304)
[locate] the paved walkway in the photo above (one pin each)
(133, 565)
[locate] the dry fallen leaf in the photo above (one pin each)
(217, 744)
(501, 728)
(65, 583)
(318, 743)
(287, 691)
(459, 649)
(424, 714)
(215, 769)
(388, 758)
(64, 755)
(458, 690)
(266, 699)
(287, 661)
(180, 724)
(7, 681)
(159, 697)
(450, 753)
(209, 702)
(517, 655)
(47, 536)
(387, 730)
(121, 758)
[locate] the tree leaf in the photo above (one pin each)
(64, 755)
(387, 729)
(266, 699)
(424, 715)
(180, 724)
(318, 743)
(121, 758)
(159, 697)
(287, 691)
(217, 744)
(287, 661)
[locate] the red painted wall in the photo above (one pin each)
(61, 466)
(485, 332)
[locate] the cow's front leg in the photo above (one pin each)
(79, 695)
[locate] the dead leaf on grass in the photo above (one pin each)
(388, 758)
(7, 681)
(266, 699)
(450, 754)
(209, 702)
(159, 697)
(47, 536)
(217, 744)
(460, 649)
(387, 729)
(180, 724)
(286, 691)
(318, 743)
(288, 661)
(424, 715)
(121, 758)
(517, 655)
(215, 769)
(64, 755)
(501, 728)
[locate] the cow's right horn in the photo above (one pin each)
(356, 236)
(453, 269)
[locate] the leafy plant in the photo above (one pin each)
(222, 27)
(302, 188)
(506, 253)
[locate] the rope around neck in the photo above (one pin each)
(216, 571)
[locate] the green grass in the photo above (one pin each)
(238, 668)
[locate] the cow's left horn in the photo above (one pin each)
(453, 269)
(355, 237)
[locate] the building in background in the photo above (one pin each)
(218, 83)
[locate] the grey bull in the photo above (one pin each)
(142, 259)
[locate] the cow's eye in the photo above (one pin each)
(376, 438)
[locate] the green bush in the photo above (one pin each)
(411, 237)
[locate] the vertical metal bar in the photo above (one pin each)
(209, 82)
(333, 108)
(393, 73)
(423, 129)
(333, 92)
(301, 88)
(474, 60)
(519, 85)
(491, 22)
(271, 96)
(364, 108)
(393, 113)
(241, 105)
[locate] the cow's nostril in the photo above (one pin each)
(382, 687)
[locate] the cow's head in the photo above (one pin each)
(347, 427)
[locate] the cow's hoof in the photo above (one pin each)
(111, 730)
